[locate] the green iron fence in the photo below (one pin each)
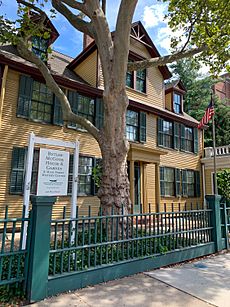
(70, 253)
(225, 223)
(13, 258)
(90, 242)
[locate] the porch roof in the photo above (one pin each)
(142, 153)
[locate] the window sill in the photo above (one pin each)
(177, 150)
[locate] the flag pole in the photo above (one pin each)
(214, 144)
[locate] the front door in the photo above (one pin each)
(137, 188)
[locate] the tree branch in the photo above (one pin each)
(122, 38)
(68, 115)
(77, 6)
(161, 61)
(78, 23)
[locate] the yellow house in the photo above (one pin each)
(165, 145)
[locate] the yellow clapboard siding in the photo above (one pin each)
(168, 101)
(87, 69)
(154, 80)
(14, 132)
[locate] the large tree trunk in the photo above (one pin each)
(114, 188)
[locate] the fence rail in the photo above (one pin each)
(13, 257)
(88, 242)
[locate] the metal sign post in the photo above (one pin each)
(28, 174)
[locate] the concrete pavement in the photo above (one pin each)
(201, 284)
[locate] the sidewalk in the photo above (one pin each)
(201, 283)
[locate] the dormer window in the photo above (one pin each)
(177, 103)
(40, 47)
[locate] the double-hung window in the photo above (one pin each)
(136, 80)
(189, 146)
(190, 183)
(85, 176)
(141, 80)
(167, 181)
(136, 126)
(18, 170)
(177, 103)
(177, 136)
(37, 102)
(132, 125)
(165, 133)
(41, 108)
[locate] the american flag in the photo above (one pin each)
(207, 116)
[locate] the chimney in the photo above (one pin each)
(87, 40)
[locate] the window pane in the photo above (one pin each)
(132, 125)
(84, 175)
(189, 139)
(169, 181)
(167, 134)
(177, 98)
(42, 103)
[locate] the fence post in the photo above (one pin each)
(214, 204)
(39, 248)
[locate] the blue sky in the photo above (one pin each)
(150, 12)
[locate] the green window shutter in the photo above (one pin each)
(57, 116)
(99, 113)
(176, 136)
(160, 132)
(162, 178)
(182, 142)
(184, 183)
(93, 186)
(196, 141)
(24, 96)
(73, 100)
(142, 127)
(197, 184)
(17, 170)
(177, 182)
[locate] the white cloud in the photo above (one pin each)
(154, 15)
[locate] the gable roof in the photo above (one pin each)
(138, 33)
(57, 63)
(173, 84)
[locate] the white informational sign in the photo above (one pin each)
(53, 172)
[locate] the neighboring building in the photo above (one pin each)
(222, 88)
(165, 144)
(222, 162)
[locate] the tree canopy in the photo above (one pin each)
(197, 98)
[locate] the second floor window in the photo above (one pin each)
(83, 106)
(188, 146)
(177, 136)
(136, 126)
(132, 125)
(165, 133)
(42, 103)
(37, 102)
(177, 103)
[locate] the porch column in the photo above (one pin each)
(132, 179)
(157, 186)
